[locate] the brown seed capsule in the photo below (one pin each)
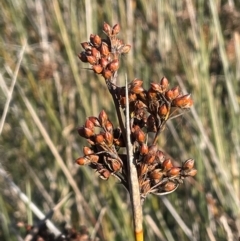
(149, 158)
(116, 29)
(188, 164)
(97, 68)
(103, 62)
(136, 82)
(142, 169)
(108, 138)
(156, 174)
(95, 40)
(95, 121)
(137, 89)
(88, 132)
(169, 186)
(153, 149)
(104, 50)
(103, 118)
(143, 149)
(163, 110)
(160, 156)
(191, 172)
(106, 73)
(114, 65)
(93, 158)
(89, 124)
(167, 164)
(164, 83)
(140, 136)
(114, 165)
(95, 53)
(109, 126)
(125, 49)
(104, 173)
(99, 138)
(86, 45)
(107, 29)
(132, 97)
(87, 151)
(81, 161)
(91, 59)
(82, 56)
(151, 124)
(173, 172)
(156, 87)
(183, 101)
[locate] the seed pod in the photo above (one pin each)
(149, 158)
(125, 49)
(87, 151)
(173, 172)
(132, 97)
(114, 65)
(137, 89)
(95, 53)
(103, 62)
(169, 186)
(97, 68)
(89, 124)
(145, 186)
(107, 29)
(81, 161)
(116, 29)
(136, 82)
(163, 110)
(104, 173)
(88, 132)
(82, 56)
(95, 121)
(140, 136)
(91, 59)
(86, 45)
(156, 174)
(104, 50)
(114, 165)
(151, 124)
(142, 169)
(93, 158)
(183, 101)
(153, 149)
(156, 87)
(108, 138)
(167, 164)
(192, 172)
(160, 156)
(106, 73)
(188, 164)
(164, 83)
(103, 118)
(95, 40)
(99, 138)
(143, 149)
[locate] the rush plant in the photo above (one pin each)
(130, 151)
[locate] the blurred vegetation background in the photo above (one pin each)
(46, 93)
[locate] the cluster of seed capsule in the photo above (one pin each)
(149, 111)
(102, 154)
(151, 108)
(103, 54)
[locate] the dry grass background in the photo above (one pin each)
(46, 94)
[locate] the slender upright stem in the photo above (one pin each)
(133, 180)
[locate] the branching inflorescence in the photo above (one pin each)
(149, 111)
